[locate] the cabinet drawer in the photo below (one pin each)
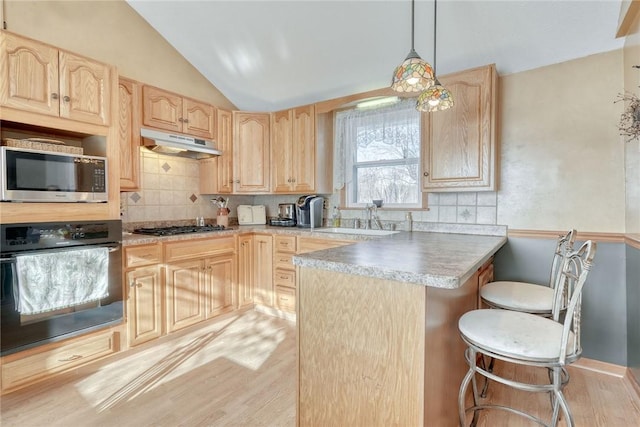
(285, 278)
(137, 256)
(27, 369)
(286, 298)
(285, 244)
(283, 261)
(198, 248)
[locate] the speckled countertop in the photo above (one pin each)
(129, 239)
(440, 260)
(442, 257)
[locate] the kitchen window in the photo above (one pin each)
(380, 148)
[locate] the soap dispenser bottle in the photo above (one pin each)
(335, 217)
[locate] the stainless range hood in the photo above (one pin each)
(176, 144)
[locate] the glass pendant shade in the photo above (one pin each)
(435, 98)
(413, 75)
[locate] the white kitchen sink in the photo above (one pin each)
(359, 231)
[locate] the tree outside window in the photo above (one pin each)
(382, 154)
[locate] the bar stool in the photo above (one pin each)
(530, 340)
(527, 297)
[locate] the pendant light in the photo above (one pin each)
(414, 74)
(436, 97)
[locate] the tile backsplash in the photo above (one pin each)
(169, 193)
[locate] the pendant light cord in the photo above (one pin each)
(435, 26)
(412, 22)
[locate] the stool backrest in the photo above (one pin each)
(568, 296)
(564, 246)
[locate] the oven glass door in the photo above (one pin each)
(19, 332)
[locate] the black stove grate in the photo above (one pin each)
(183, 229)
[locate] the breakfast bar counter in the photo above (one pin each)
(378, 342)
(441, 260)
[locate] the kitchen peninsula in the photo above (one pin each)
(377, 327)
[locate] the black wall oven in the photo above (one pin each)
(58, 280)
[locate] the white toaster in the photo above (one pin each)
(252, 215)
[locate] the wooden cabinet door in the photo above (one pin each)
(459, 147)
(144, 306)
(219, 285)
(29, 75)
(198, 119)
(282, 152)
(251, 152)
(225, 144)
(263, 270)
(129, 133)
(161, 109)
(245, 270)
(85, 89)
(184, 294)
(304, 149)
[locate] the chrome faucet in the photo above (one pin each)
(371, 213)
(375, 217)
(367, 212)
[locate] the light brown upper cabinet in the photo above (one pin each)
(129, 97)
(225, 144)
(216, 173)
(40, 78)
(293, 150)
(173, 112)
(251, 152)
(460, 144)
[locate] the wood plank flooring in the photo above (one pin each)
(240, 371)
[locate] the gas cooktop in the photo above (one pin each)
(183, 229)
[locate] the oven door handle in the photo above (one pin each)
(113, 247)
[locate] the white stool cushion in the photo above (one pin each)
(514, 334)
(519, 296)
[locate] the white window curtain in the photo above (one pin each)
(360, 127)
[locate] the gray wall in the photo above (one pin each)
(604, 302)
(633, 311)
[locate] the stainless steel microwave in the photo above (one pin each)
(41, 176)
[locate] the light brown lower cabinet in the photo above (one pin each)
(245, 270)
(143, 282)
(24, 368)
(284, 272)
(263, 269)
(220, 280)
(144, 304)
(199, 279)
(184, 294)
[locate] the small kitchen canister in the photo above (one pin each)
(223, 217)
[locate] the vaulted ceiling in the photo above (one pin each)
(270, 55)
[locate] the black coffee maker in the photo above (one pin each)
(309, 211)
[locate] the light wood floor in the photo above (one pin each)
(240, 371)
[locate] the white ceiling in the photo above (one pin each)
(270, 55)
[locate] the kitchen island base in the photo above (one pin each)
(378, 352)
